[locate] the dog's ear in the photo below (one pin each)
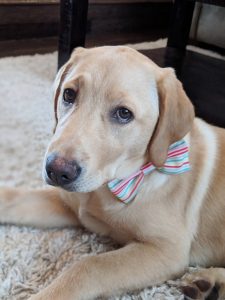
(63, 71)
(60, 77)
(176, 115)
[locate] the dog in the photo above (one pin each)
(118, 114)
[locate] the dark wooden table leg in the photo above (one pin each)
(73, 20)
(181, 18)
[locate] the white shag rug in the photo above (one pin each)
(31, 258)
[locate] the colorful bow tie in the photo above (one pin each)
(177, 162)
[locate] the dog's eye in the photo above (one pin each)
(122, 115)
(69, 96)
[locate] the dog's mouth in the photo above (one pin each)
(71, 187)
(83, 184)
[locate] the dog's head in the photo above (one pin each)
(115, 110)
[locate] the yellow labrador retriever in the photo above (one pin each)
(116, 112)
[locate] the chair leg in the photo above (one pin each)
(73, 20)
(179, 33)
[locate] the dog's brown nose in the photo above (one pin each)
(61, 171)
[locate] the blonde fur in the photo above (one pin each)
(174, 220)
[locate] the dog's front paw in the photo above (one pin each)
(37, 297)
(40, 296)
(50, 293)
(204, 284)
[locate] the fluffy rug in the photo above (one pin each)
(31, 258)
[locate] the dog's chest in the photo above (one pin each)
(104, 216)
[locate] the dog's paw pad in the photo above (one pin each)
(214, 295)
(199, 287)
(203, 285)
(190, 291)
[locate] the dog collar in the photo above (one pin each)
(177, 162)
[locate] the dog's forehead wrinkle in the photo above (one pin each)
(107, 61)
(106, 57)
(115, 69)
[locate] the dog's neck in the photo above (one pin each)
(177, 162)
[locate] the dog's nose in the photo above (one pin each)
(61, 171)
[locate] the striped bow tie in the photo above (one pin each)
(177, 162)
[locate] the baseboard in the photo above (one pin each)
(41, 20)
(22, 2)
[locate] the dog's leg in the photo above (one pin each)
(40, 208)
(132, 267)
(204, 284)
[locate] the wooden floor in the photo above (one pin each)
(33, 28)
(28, 46)
(50, 44)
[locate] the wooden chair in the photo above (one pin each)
(178, 37)
(73, 21)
